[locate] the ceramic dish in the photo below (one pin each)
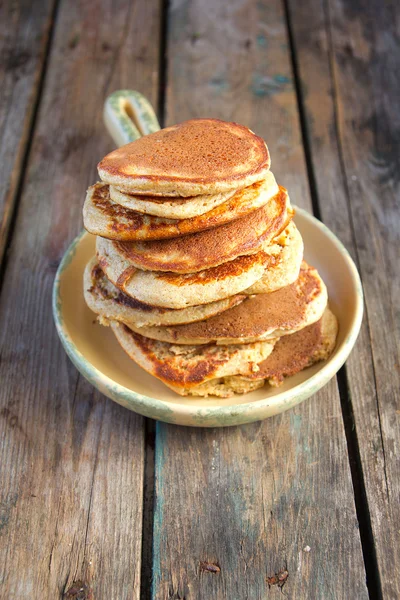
(97, 355)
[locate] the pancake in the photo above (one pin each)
(223, 387)
(201, 156)
(173, 290)
(259, 317)
(291, 354)
(109, 302)
(183, 367)
(102, 216)
(206, 249)
(106, 300)
(171, 208)
(286, 250)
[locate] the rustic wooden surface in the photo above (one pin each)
(252, 498)
(24, 38)
(71, 461)
(348, 67)
(306, 503)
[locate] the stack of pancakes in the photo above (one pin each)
(199, 267)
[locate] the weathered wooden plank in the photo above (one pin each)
(24, 36)
(348, 72)
(71, 461)
(249, 60)
(236, 507)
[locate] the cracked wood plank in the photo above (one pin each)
(348, 72)
(268, 506)
(71, 463)
(24, 35)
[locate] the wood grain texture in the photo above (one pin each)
(24, 34)
(255, 501)
(239, 71)
(348, 70)
(255, 511)
(71, 461)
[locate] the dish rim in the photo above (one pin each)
(231, 413)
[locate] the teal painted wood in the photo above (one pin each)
(348, 66)
(72, 462)
(241, 511)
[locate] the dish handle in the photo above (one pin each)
(128, 115)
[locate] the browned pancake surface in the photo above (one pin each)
(103, 216)
(291, 354)
(284, 309)
(227, 270)
(196, 151)
(179, 365)
(102, 288)
(179, 369)
(206, 249)
(99, 288)
(295, 352)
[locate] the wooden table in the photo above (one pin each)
(97, 502)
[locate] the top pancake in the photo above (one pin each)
(200, 156)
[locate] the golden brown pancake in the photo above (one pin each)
(259, 317)
(286, 252)
(223, 387)
(106, 300)
(183, 367)
(201, 156)
(210, 248)
(102, 216)
(176, 290)
(171, 207)
(296, 352)
(291, 354)
(109, 302)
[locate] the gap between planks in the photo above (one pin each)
(163, 62)
(146, 575)
(302, 116)
(362, 508)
